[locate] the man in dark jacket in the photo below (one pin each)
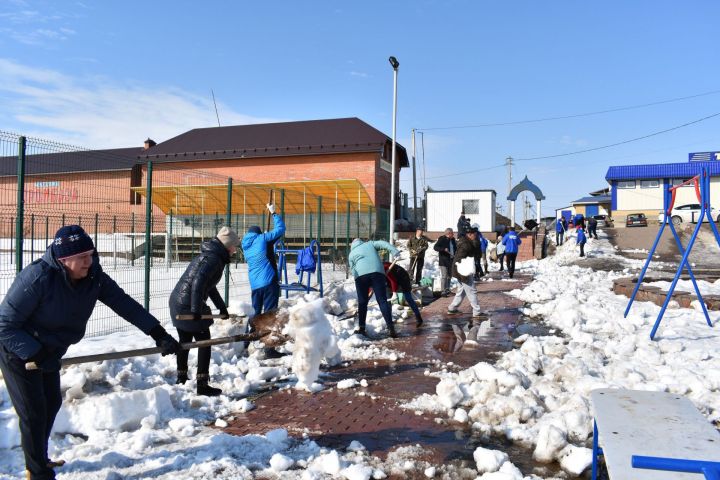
(46, 310)
(417, 247)
(463, 225)
(445, 246)
(592, 227)
(467, 248)
(189, 298)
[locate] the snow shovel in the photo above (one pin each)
(141, 352)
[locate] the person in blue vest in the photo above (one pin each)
(559, 231)
(45, 310)
(483, 247)
(189, 297)
(579, 220)
(369, 273)
(511, 242)
(581, 240)
(263, 279)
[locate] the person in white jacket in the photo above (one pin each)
(500, 249)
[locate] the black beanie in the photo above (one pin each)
(71, 240)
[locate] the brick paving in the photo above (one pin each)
(372, 416)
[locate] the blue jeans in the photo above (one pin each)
(378, 283)
(36, 397)
(266, 298)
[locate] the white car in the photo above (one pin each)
(688, 213)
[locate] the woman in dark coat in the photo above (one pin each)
(189, 298)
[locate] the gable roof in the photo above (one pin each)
(311, 137)
(592, 200)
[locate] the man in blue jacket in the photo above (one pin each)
(45, 311)
(189, 297)
(263, 279)
(511, 242)
(559, 231)
(581, 240)
(368, 270)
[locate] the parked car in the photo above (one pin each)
(688, 213)
(636, 220)
(602, 220)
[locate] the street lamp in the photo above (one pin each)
(395, 64)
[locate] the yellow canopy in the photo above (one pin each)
(250, 198)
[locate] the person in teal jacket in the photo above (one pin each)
(263, 280)
(369, 272)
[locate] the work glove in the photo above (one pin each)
(45, 360)
(271, 208)
(224, 313)
(396, 255)
(167, 344)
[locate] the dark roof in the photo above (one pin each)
(113, 159)
(311, 137)
(593, 200)
(661, 170)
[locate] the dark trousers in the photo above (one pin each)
(378, 283)
(559, 237)
(501, 258)
(582, 249)
(203, 366)
(36, 397)
(407, 293)
(417, 264)
(266, 298)
(510, 258)
(592, 232)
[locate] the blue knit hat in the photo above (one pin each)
(254, 229)
(71, 240)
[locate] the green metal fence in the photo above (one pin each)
(145, 245)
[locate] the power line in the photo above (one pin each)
(578, 115)
(620, 143)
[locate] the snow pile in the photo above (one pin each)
(537, 395)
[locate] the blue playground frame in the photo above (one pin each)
(711, 470)
(298, 286)
(702, 190)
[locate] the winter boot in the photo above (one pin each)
(55, 463)
(360, 331)
(418, 321)
(181, 377)
(204, 389)
(392, 332)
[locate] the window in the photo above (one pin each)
(626, 184)
(649, 183)
(471, 207)
(136, 181)
(678, 181)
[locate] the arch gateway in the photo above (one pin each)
(525, 185)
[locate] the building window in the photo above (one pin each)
(135, 181)
(649, 183)
(677, 181)
(626, 184)
(471, 207)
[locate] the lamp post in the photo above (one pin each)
(395, 64)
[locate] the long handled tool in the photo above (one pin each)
(206, 317)
(140, 352)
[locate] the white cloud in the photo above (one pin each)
(99, 112)
(359, 74)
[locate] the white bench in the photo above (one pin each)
(654, 424)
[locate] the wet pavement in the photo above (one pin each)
(372, 415)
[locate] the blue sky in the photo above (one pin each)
(110, 74)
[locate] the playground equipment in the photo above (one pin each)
(298, 286)
(702, 191)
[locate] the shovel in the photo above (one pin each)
(141, 352)
(206, 317)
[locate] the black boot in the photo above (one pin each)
(204, 389)
(418, 321)
(360, 331)
(392, 332)
(181, 377)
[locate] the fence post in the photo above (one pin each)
(168, 243)
(22, 146)
(114, 234)
(192, 235)
(47, 230)
(347, 231)
(12, 243)
(310, 229)
(97, 220)
(319, 220)
(132, 239)
(369, 222)
(282, 209)
(32, 237)
(148, 236)
(228, 220)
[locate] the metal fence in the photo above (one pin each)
(148, 221)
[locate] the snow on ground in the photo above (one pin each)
(126, 418)
(706, 288)
(538, 395)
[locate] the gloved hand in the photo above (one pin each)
(396, 255)
(224, 313)
(196, 316)
(271, 208)
(165, 341)
(45, 360)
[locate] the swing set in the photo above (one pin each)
(702, 191)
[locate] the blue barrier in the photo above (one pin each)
(298, 286)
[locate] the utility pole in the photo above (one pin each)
(511, 210)
(415, 220)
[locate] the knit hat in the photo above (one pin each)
(228, 237)
(254, 229)
(71, 240)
